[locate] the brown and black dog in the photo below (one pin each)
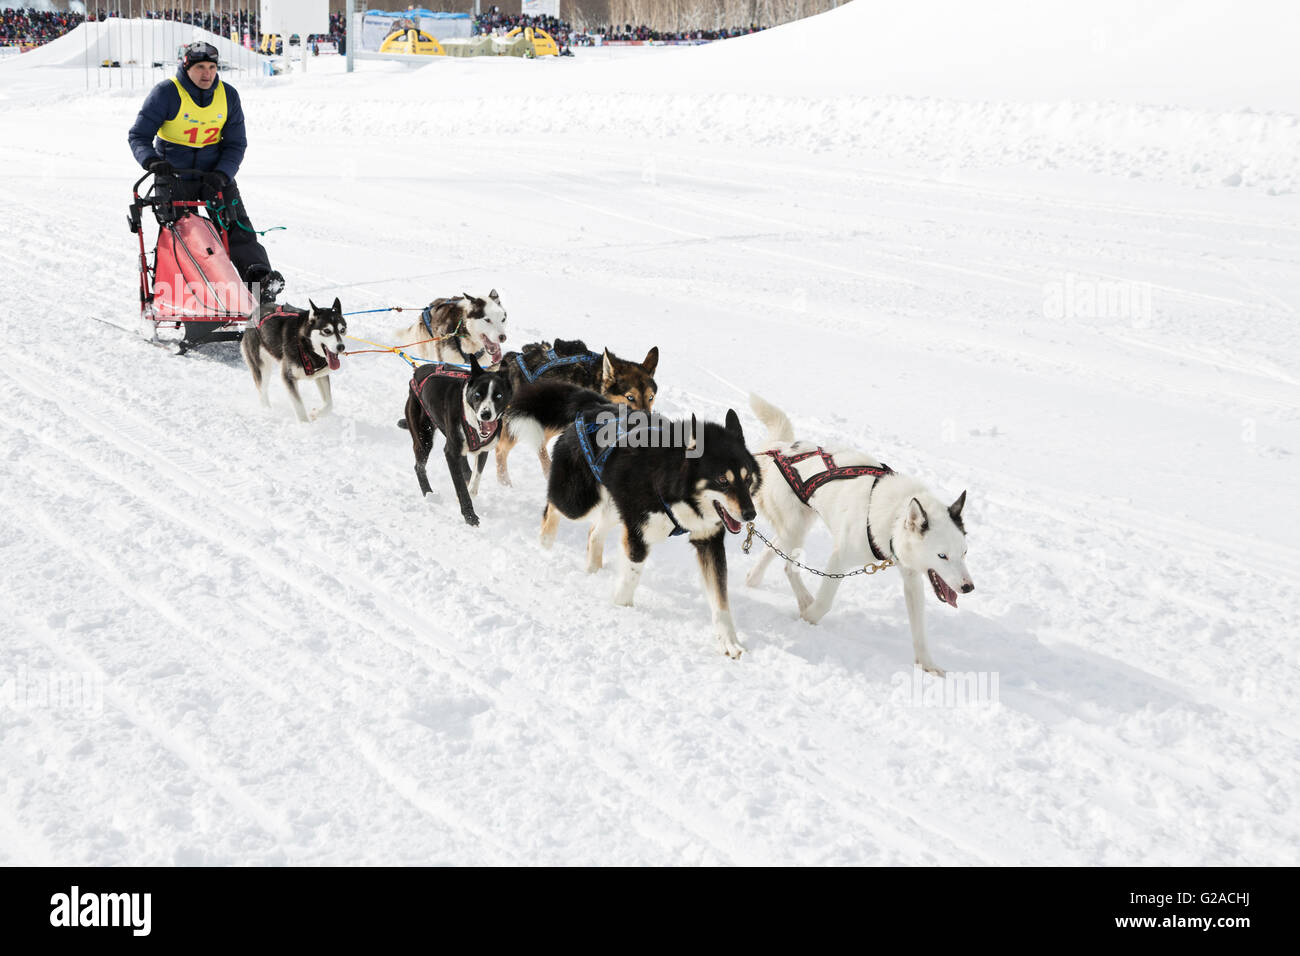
(618, 380)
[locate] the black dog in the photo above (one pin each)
(655, 477)
(571, 361)
(466, 406)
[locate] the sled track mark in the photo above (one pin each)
(424, 800)
(441, 657)
(185, 751)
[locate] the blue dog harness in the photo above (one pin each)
(597, 459)
(553, 361)
(427, 318)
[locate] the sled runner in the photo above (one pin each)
(191, 288)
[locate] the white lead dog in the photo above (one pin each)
(871, 512)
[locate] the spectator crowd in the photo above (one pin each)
(34, 27)
(494, 22)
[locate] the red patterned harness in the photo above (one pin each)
(311, 362)
(805, 487)
(473, 440)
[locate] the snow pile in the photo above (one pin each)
(1206, 96)
(1201, 53)
(131, 42)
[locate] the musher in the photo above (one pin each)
(194, 121)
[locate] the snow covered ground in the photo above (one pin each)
(1067, 292)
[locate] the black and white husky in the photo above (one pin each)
(689, 479)
(872, 512)
(304, 343)
(466, 406)
(459, 328)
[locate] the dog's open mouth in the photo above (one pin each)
(333, 359)
(732, 524)
(488, 429)
(493, 349)
(941, 590)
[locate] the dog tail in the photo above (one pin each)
(778, 424)
(546, 408)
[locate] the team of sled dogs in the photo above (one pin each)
(702, 485)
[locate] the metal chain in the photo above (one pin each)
(869, 569)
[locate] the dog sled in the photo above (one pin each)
(190, 291)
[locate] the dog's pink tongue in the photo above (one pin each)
(941, 590)
(731, 523)
(333, 359)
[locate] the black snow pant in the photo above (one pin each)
(246, 251)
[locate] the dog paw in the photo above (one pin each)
(930, 667)
(730, 646)
(471, 519)
(754, 578)
(805, 601)
(594, 566)
(812, 613)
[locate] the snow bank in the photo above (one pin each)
(141, 42)
(1203, 53)
(1204, 96)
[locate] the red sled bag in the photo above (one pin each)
(193, 277)
(191, 285)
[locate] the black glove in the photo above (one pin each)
(160, 167)
(216, 180)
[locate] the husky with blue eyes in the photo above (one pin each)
(465, 404)
(873, 514)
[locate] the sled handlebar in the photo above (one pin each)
(176, 174)
(140, 202)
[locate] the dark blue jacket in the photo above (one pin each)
(164, 102)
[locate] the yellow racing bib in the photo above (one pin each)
(195, 125)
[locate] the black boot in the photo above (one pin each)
(265, 283)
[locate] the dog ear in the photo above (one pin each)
(917, 519)
(733, 425)
(692, 436)
(494, 297)
(475, 370)
(651, 361)
(338, 306)
(954, 512)
(313, 306)
(606, 372)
